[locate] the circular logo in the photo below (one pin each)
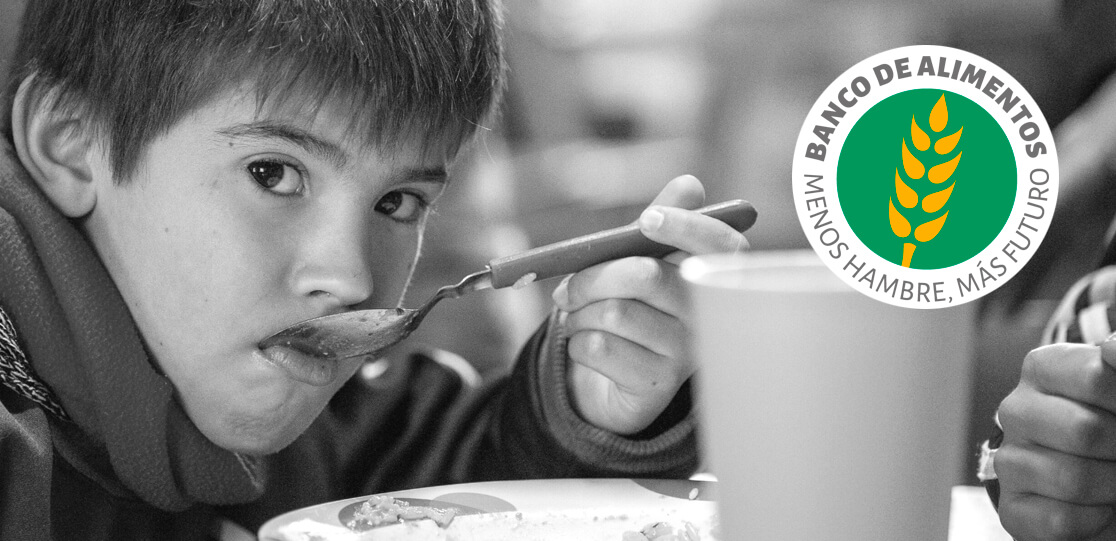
(925, 176)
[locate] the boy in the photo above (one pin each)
(189, 177)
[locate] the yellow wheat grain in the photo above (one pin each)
(939, 115)
(918, 137)
(907, 197)
(941, 172)
(911, 165)
(929, 230)
(935, 201)
(946, 144)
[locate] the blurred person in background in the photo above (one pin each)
(1051, 469)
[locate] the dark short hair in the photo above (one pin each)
(431, 69)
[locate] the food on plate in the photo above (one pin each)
(600, 524)
(559, 525)
(663, 531)
(381, 510)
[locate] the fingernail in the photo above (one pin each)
(561, 294)
(651, 219)
(1108, 350)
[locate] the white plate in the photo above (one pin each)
(560, 509)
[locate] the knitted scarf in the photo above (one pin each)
(84, 349)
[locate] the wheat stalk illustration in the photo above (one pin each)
(914, 169)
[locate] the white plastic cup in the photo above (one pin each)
(826, 415)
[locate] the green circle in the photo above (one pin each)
(984, 182)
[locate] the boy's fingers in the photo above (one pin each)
(1029, 517)
(1032, 469)
(685, 191)
(617, 405)
(632, 367)
(646, 279)
(1058, 423)
(634, 321)
(690, 232)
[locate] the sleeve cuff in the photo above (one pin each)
(986, 469)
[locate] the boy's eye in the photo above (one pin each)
(276, 176)
(402, 206)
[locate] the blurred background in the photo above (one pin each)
(610, 99)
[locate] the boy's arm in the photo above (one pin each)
(614, 371)
(629, 320)
(549, 426)
(607, 382)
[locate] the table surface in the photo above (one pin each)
(972, 517)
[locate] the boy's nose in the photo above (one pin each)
(336, 264)
(348, 285)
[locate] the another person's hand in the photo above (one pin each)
(1057, 463)
(629, 320)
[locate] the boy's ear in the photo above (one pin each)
(55, 148)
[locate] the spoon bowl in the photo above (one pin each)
(362, 332)
(348, 334)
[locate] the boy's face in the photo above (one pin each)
(236, 225)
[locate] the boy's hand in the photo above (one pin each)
(629, 319)
(1057, 464)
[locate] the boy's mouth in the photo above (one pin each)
(302, 367)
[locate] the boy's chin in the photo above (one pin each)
(252, 439)
(258, 447)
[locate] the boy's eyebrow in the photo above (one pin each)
(293, 134)
(430, 174)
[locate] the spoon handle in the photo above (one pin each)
(579, 253)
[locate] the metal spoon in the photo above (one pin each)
(364, 332)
